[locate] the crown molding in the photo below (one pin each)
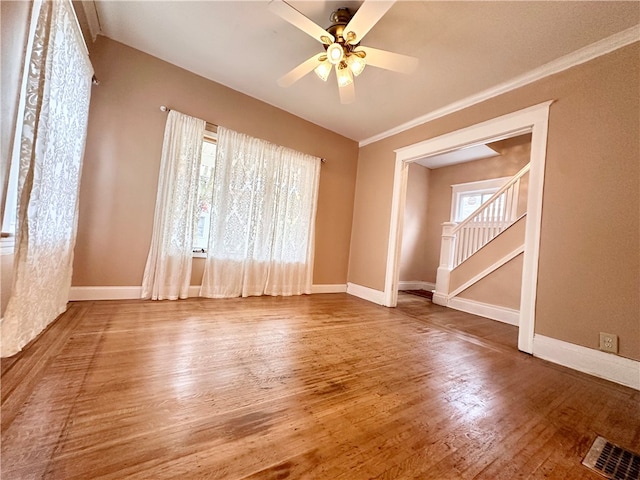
(583, 55)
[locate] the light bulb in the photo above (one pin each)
(356, 64)
(335, 53)
(323, 70)
(343, 72)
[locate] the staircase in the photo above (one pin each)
(489, 238)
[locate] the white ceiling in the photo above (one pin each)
(463, 47)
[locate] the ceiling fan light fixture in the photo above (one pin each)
(356, 63)
(343, 72)
(335, 53)
(323, 70)
(341, 41)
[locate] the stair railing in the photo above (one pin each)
(486, 223)
(460, 241)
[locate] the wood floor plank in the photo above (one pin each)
(311, 387)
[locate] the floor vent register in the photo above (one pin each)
(612, 461)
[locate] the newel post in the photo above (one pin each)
(447, 249)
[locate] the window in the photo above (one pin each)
(468, 197)
(262, 223)
(469, 202)
(203, 219)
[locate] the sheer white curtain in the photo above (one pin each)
(167, 274)
(53, 134)
(262, 220)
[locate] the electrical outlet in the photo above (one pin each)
(608, 342)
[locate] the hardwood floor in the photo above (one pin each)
(311, 387)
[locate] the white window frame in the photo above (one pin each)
(7, 242)
(482, 186)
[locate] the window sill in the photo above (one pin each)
(7, 244)
(199, 255)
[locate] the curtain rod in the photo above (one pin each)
(209, 126)
(212, 126)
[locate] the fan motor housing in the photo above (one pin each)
(340, 19)
(341, 16)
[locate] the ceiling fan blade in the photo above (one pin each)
(297, 19)
(347, 94)
(299, 72)
(365, 18)
(389, 60)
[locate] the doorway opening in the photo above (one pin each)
(533, 120)
(450, 188)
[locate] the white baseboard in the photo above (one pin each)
(133, 292)
(440, 299)
(328, 288)
(494, 312)
(366, 293)
(416, 285)
(594, 362)
(104, 293)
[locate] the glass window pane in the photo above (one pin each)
(467, 204)
(203, 206)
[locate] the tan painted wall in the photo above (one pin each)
(498, 287)
(589, 266)
(14, 29)
(124, 142)
(515, 150)
(506, 294)
(6, 280)
(413, 250)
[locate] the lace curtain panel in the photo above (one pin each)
(58, 88)
(264, 200)
(167, 274)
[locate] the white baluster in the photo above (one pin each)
(487, 223)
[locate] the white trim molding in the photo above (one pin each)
(416, 285)
(583, 55)
(588, 360)
(366, 293)
(329, 288)
(398, 203)
(493, 312)
(77, 294)
(133, 292)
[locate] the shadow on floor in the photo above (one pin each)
(490, 332)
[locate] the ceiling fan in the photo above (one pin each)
(341, 41)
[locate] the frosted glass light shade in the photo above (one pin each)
(323, 70)
(356, 64)
(344, 75)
